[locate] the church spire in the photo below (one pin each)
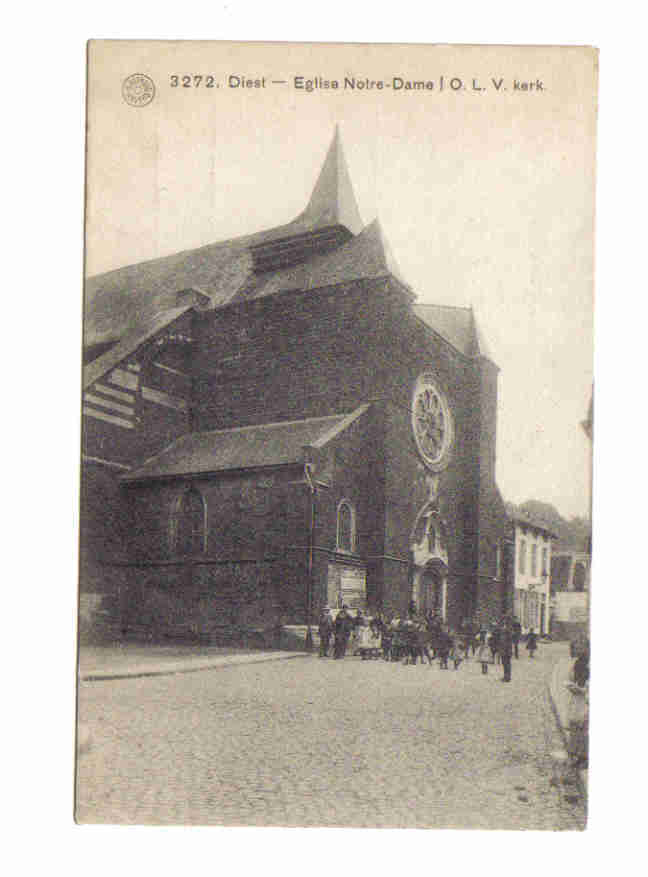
(333, 201)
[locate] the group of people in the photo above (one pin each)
(418, 636)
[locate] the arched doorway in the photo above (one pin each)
(432, 588)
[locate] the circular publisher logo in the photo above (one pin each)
(138, 90)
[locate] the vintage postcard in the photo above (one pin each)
(337, 404)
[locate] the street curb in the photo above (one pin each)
(552, 687)
(216, 664)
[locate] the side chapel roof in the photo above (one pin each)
(244, 447)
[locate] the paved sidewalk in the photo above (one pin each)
(98, 663)
(559, 696)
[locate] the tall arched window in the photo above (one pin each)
(188, 524)
(345, 527)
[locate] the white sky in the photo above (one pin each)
(486, 198)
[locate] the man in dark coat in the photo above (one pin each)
(343, 625)
(325, 631)
(505, 647)
(434, 627)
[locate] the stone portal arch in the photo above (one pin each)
(429, 561)
(430, 587)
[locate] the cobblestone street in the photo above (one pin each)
(330, 743)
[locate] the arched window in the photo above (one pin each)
(345, 527)
(188, 524)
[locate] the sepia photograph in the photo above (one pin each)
(337, 424)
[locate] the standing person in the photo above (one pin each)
(493, 642)
(517, 635)
(386, 640)
(325, 631)
(474, 629)
(483, 650)
(434, 626)
(357, 624)
(456, 649)
(532, 642)
(364, 637)
(409, 640)
(343, 625)
(444, 644)
(505, 647)
(578, 687)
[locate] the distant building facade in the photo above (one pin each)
(530, 573)
(273, 424)
(570, 585)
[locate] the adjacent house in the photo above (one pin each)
(530, 572)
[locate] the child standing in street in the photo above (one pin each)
(483, 650)
(456, 649)
(444, 644)
(532, 642)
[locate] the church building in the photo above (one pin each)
(273, 424)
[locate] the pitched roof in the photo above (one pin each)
(458, 326)
(365, 256)
(325, 245)
(120, 299)
(452, 323)
(527, 521)
(246, 447)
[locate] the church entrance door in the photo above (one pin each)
(432, 594)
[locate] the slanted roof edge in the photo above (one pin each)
(340, 427)
(129, 344)
(133, 477)
(441, 337)
(345, 421)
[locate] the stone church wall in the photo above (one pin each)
(247, 576)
